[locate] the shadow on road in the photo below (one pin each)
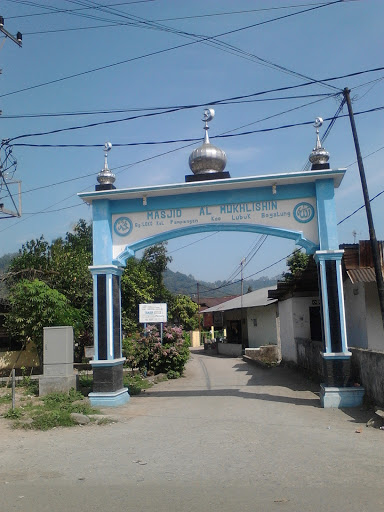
(311, 402)
(281, 377)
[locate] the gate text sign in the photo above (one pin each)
(298, 215)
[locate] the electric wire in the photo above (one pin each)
(146, 109)
(360, 208)
(152, 114)
(174, 141)
(194, 242)
(250, 275)
(145, 23)
(158, 52)
(58, 11)
(229, 13)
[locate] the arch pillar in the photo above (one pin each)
(107, 365)
(336, 390)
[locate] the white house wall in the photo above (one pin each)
(262, 326)
(288, 347)
(355, 314)
(294, 323)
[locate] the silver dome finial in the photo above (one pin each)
(105, 176)
(319, 156)
(207, 159)
(209, 114)
(318, 122)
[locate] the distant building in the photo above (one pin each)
(250, 320)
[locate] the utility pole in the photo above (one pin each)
(241, 302)
(18, 39)
(4, 179)
(198, 312)
(372, 233)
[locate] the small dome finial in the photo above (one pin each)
(106, 178)
(319, 156)
(209, 114)
(207, 159)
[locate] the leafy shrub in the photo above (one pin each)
(147, 353)
(171, 374)
(172, 355)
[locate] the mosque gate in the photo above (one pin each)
(299, 206)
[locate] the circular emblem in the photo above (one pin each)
(122, 226)
(304, 212)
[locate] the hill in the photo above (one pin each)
(179, 283)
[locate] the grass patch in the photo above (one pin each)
(135, 384)
(13, 414)
(5, 398)
(85, 381)
(31, 387)
(53, 410)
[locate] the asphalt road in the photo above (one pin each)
(227, 437)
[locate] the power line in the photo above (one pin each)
(192, 243)
(152, 114)
(174, 141)
(146, 109)
(360, 208)
(145, 23)
(60, 11)
(158, 52)
(250, 275)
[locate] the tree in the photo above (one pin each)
(183, 311)
(142, 283)
(137, 287)
(62, 266)
(34, 305)
(156, 261)
(31, 262)
(296, 263)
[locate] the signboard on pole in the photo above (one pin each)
(152, 313)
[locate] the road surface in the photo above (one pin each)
(226, 437)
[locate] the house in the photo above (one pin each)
(300, 319)
(250, 320)
(301, 327)
(362, 308)
(213, 319)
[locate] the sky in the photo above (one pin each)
(89, 59)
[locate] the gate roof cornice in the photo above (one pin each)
(266, 180)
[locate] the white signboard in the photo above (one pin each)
(152, 313)
(294, 214)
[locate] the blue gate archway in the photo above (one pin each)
(299, 206)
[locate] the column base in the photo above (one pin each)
(337, 369)
(109, 399)
(339, 397)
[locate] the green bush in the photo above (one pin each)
(147, 353)
(171, 356)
